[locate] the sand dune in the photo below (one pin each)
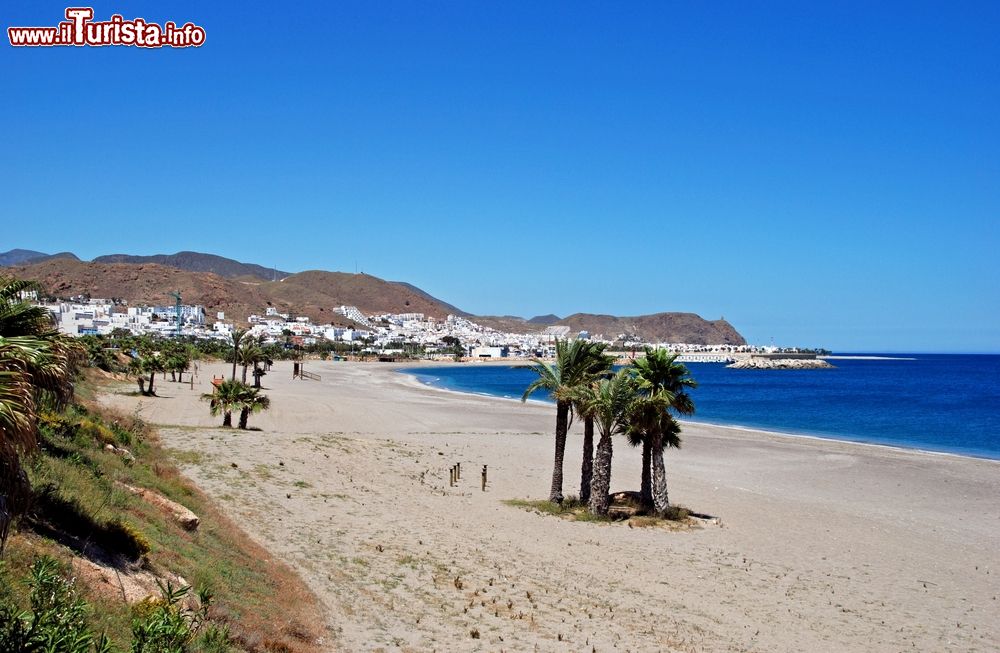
(822, 546)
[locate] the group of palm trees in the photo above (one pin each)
(231, 394)
(167, 357)
(639, 401)
(37, 372)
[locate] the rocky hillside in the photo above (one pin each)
(198, 262)
(658, 327)
(315, 293)
(312, 293)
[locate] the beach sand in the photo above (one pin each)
(822, 545)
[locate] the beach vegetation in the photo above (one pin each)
(663, 384)
(610, 404)
(575, 366)
(37, 371)
(224, 399)
(641, 401)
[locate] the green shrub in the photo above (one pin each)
(57, 620)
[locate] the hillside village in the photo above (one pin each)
(380, 334)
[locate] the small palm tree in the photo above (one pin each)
(249, 354)
(609, 403)
(664, 382)
(237, 336)
(251, 401)
(571, 371)
(153, 363)
(224, 399)
(600, 367)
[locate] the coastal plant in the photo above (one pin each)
(609, 403)
(573, 368)
(600, 367)
(56, 620)
(237, 337)
(664, 384)
(225, 398)
(251, 401)
(37, 370)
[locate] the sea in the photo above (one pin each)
(948, 403)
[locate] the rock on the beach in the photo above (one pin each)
(781, 364)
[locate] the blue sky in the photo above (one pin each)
(824, 176)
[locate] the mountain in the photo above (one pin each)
(19, 256)
(657, 327)
(240, 289)
(198, 262)
(454, 310)
(314, 293)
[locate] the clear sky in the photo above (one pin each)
(824, 176)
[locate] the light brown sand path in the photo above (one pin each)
(823, 545)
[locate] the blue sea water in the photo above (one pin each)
(937, 402)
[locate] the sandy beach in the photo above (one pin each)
(820, 545)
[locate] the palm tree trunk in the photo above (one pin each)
(244, 375)
(152, 375)
(562, 425)
(227, 418)
(235, 351)
(244, 414)
(173, 375)
(646, 486)
(587, 468)
(660, 499)
(256, 376)
(600, 484)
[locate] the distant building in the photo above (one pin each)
(190, 314)
(488, 352)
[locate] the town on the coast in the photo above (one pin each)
(386, 335)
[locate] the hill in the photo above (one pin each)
(657, 327)
(198, 262)
(313, 293)
(20, 256)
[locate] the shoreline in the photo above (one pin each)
(736, 427)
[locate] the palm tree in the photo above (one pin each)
(251, 401)
(37, 367)
(237, 336)
(226, 396)
(135, 369)
(249, 354)
(609, 403)
(600, 367)
(152, 363)
(563, 379)
(664, 382)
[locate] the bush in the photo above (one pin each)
(57, 620)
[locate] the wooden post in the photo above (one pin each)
(451, 477)
(458, 471)
(484, 478)
(192, 383)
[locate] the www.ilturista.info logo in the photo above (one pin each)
(80, 29)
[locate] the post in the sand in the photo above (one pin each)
(458, 471)
(484, 478)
